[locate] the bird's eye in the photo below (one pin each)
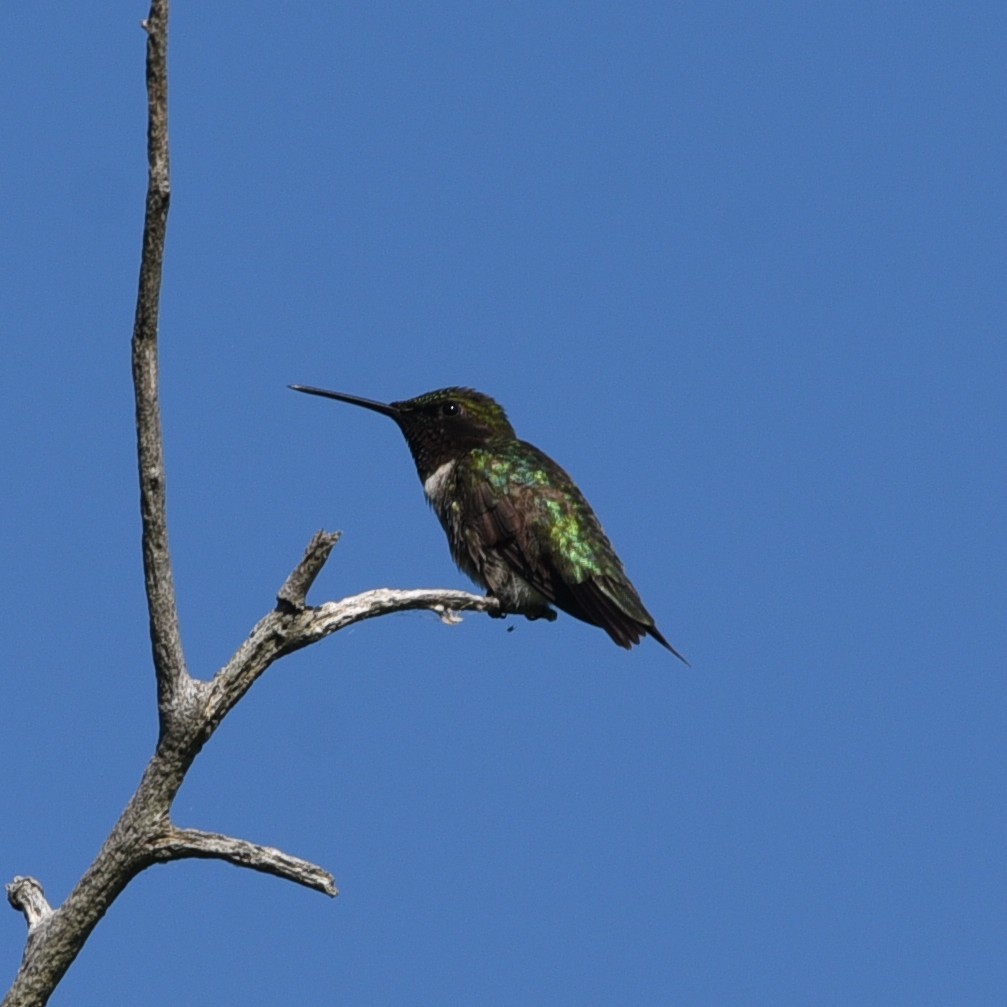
(450, 409)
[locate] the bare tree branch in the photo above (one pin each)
(178, 844)
(189, 710)
(283, 630)
(165, 635)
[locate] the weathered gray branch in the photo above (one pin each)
(177, 844)
(282, 632)
(165, 636)
(189, 710)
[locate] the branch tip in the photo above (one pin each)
(26, 896)
(294, 592)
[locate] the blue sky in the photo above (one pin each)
(740, 269)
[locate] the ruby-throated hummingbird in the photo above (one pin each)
(515, 521)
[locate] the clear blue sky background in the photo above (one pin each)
(740, 269)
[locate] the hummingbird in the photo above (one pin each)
(515, 521)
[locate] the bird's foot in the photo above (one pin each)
(530, 612)
(540, 613)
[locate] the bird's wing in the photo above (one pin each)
(536, 521)
(544, 528)
(507, 524)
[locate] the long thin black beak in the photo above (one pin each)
(354, 400)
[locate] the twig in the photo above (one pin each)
(295, 588)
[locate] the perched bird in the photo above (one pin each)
(516, 522)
